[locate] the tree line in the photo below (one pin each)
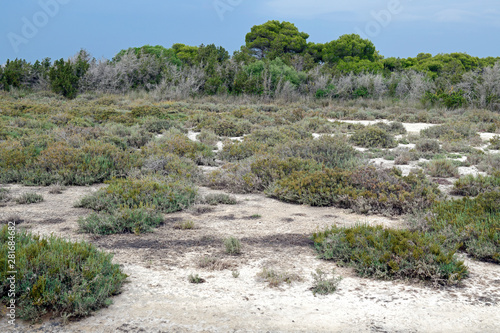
(276, 61)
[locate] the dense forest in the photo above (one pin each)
(276, 61)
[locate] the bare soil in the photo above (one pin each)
(159, 298)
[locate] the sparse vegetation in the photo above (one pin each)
(276, 278)
(232, 246)
(58, 277)
(324, 285)
(29, 198)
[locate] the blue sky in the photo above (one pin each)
(35, 29)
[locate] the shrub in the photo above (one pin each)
(442, 168)
(373, 137)
(495, 143)
(365, 190)
(220, 198)
(451, 132)
(172, 166)
(324, 285)
(333, 152)
(428, 146)
(4, 195)
(470, 185)
(121, 221)
(29, 198)
(177, 143)
(208, 137)
(162, 195)
(273, 136)
(57, 277)
(196, 279)
(489, 163)
(473, 224)
(236, 151)
(391, 254)
(185, 225)
(232, 245)
(276, 278)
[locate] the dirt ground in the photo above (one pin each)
(159, 298)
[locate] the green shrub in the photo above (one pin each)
(451, 132)
(333, 152)
(470, 185)
(391, 254)
(208, 137)
(57, 277)
(29, 198)
(489, 163)
(177, 143)
(121, 221)
(273, 136)
(495, 143)
(236, 151)
(219, 198)
(196, 279)
(4, 195)
(473, 224)
(442, 168)
(365, 190)
(373, 137)
(428, 146)
(148, 192)
(172, 166)
(232, 245)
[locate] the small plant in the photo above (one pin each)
(473, 186)
(216, 199)
(4, 195)
(56, 189)
(324, 285)
(495, 143)
(232, 245)
(276, 278)
(213, 263)
(255, 216)
(442, 168)
(124, 220)
(235, 274)
(428, 146)
(196, 279)
(373, 137)
(29, 198)
(185, 225)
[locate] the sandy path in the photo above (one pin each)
(159, 298)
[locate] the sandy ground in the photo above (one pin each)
(159, 298)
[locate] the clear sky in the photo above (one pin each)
(35, 29)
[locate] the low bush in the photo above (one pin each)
(495, 143)
(391, 254)
(232, 246)
(219, 198)
(172, 166)
(373, 137)
(148, 192)
(121, 221)
(177, 143)
(208, 137)
(57, 277)
(276, 278)
(442, 168)
(272, 136)
(365, 190)
(333, 152)
(29, 198)
(470, 185)
(428, 146)
(473, 224)
(451, 132)
(235, 151)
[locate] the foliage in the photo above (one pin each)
(232, 246)
(364, 190)
(324, 285)
(121, 221)
(442, 168)
(373, 137)
(276, 278)
(57, 277)
(219, 198)
(29, 198)
(391, 254)
(471, 224)
(470, 185)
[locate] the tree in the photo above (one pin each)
(63, 78)
(274, 39)
(349, 46)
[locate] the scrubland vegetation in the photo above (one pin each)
(275, 113)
